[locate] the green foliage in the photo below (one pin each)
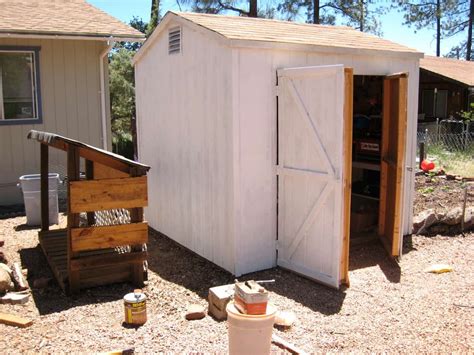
(468, 116)
(426, 190)
(155, 17)
(460, 162)
(243, 8)
(121, 83)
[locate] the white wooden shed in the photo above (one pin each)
(257, 130)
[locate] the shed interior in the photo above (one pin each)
(366, 156)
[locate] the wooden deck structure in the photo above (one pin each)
(105, 238)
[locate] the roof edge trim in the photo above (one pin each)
(65, 35)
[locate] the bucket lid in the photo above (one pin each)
(271, 310)
(134, 297)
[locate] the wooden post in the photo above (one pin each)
(73, 160)
(422, 152)
(90, 176)
(136, 216)
(44, 155)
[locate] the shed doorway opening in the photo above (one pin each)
(366, 150)
(378, 150)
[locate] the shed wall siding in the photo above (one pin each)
(184, 104)
(258, 142)
(70, 90)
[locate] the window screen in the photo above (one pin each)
(18, 86)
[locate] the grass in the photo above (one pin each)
(453, 162)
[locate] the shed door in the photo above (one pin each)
(392, 165)
(310, 166)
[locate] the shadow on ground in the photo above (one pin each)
(174, 263)
(51, 299)
(177, 264)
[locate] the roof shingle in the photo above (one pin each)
(459, 70)
(246, 28)
(61, 17)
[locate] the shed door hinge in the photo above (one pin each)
(277, 90)
(277, 245)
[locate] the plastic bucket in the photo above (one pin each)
(31, 187)
(250, 334)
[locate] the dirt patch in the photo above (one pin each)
(440, 194)
(388, 308)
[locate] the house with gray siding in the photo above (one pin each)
(53, 77)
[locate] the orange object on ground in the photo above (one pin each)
(427, 165)
(250, 298)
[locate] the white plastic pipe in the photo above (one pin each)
(102, 93)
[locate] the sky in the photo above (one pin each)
(392, 23)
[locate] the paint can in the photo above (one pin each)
(135, 307)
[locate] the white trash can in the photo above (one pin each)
(250, 334)
(31, 187)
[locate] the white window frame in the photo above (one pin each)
(36, 88)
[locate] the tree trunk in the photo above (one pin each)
(253, 8)
(316, 12)
(361, 26)
(438, 28)
(469, 32)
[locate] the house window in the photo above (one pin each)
(435, 102)
(20, 97)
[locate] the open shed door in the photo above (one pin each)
(394, 127)
(310, 172)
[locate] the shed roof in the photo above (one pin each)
(459, 70)
(257, 29)
(87, 151)
(61, 18)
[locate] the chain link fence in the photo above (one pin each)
(450, 144)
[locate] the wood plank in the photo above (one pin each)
(90, 176)
(95, 195)
(102, 172)
(44, 169)
(103, 237)
(392, 164)
(73, 166)
(52, 233)
(10, 319)
(105, 276)
(347, 174)
(89, 262)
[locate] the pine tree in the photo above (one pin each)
(447, 17)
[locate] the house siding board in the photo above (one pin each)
(70, 92)
(184, 123)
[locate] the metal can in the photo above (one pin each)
(135, 307)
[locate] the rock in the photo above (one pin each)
(453, 217)
(469, 217)
(2, 243)
(195, 311)
(15, 298)
(42, 282)
(424, 220)
(285, 319)
(6, 283)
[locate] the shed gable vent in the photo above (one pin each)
(174, 40)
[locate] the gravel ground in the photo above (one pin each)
(386, 309)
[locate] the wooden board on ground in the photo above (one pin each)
(11, 319)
